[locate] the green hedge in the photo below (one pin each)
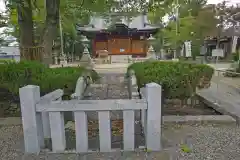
(178, 79)
(15, 75)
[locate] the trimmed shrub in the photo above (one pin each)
(15, 75)
(178, 79)
(235, 57)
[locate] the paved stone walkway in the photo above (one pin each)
(233, 83)
(109, 86)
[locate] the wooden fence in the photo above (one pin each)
(32, 53)
(42, 118)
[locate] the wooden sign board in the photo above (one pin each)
(217, 53)
(188, 49)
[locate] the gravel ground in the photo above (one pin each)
(182, 142)
(202, 142)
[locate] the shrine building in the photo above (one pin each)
(122, 37)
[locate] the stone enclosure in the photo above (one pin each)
(42, 118)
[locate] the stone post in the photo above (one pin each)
(31, 120)
(132, 84)
(154, 117)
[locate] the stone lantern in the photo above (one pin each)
(55, 56)
(56, 52)
(151, 52)
(85, 41)
(86, 60)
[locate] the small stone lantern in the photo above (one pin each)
(86, 60)
(85, 42)
(151, 52)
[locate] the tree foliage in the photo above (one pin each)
(41, 19)
(195, 21)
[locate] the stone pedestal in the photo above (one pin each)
(175, 59)
(163, 54)
(120, 59)
(56, 60)
(63, 60)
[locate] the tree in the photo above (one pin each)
(23, 10)
(50, 29)
(39, 26)
(186, 29)
(196, 21)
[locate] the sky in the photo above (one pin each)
(2, 5)
(230, 2)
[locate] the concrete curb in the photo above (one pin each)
(111, 67)
(218, 119)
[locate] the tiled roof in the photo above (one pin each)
(98, 23)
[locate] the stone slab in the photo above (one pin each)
(120, 58)
(222, 98)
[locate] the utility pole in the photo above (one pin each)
(177, 29)
(237, 24)
(61, 35)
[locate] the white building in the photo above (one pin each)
(10, 52)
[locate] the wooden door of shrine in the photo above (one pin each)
(119, 46)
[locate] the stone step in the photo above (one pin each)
(120, 58)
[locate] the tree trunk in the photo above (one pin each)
(26, 32)
(50, 30)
